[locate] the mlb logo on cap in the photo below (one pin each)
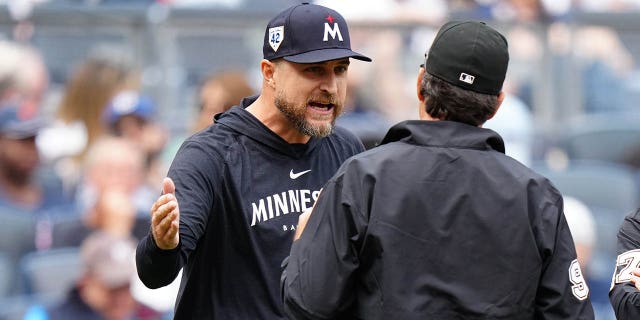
(308, 33)
(467, 78)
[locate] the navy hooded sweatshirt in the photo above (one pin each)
(240, 189)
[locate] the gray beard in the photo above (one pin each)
(297, 117)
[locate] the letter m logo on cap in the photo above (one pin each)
(335, 31)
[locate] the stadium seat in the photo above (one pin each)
(50, 273)
(601, 137)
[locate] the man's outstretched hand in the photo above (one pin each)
(165, 217)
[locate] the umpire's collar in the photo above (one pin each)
(447, 134)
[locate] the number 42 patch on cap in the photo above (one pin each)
(276, 34)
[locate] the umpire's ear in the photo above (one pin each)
(501, 96)
(421, 72)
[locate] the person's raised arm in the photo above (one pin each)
(318, 279)
(157, 256)
(165, 217)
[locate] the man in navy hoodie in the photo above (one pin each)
(230, 206)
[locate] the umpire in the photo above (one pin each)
(437, 222)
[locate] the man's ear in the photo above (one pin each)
(419, 84)
(268, 71)
(501, 97)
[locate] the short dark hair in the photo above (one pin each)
(448, 102)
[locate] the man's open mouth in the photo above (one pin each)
(321, 106)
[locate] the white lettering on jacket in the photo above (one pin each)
(291, 201)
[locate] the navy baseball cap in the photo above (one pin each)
(308, 33)
(19, 122)
(128, 103)
(469, 55)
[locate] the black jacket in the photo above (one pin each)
(624, 296)
(436, 223)
(240, 189)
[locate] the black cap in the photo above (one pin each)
(470, 55)
(308, 33)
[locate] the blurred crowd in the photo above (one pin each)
(509, 9)
(79, 169)
(83, 179)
